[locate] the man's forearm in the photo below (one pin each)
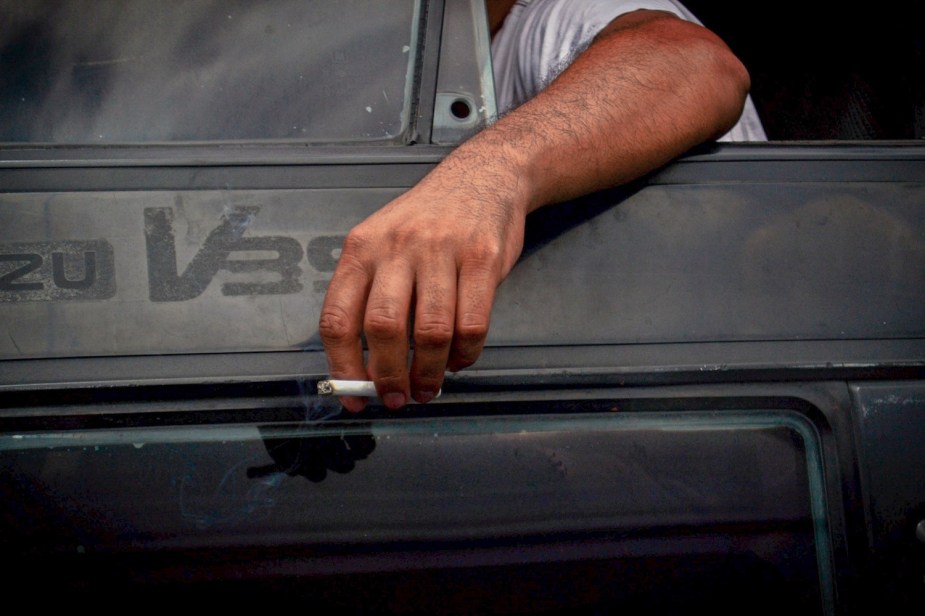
(649, 88)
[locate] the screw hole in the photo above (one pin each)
(460, 109)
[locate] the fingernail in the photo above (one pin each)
(394, 400)
(426, 396)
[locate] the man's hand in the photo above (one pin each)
(436, 254)
(648, 89)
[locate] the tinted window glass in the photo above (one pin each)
(607, 509)
(103, 71)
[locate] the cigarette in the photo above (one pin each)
(363, 389)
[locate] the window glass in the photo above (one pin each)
(668, 496)
(110, 71)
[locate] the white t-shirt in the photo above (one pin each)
(540, 38)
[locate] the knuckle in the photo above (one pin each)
(433, 332)
(482, 256)
(335, 324)
(384, 323)
(356, 242)
(352, 263)
(472, 328)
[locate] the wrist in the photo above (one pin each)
(487, 168)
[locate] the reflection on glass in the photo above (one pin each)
(312, 456)
(104, 71)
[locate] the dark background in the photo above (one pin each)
(829, 69)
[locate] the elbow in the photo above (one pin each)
(736, 83)
(716, 79)
(724, 82)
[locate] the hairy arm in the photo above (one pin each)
(649, 88)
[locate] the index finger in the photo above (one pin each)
(341, 325)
